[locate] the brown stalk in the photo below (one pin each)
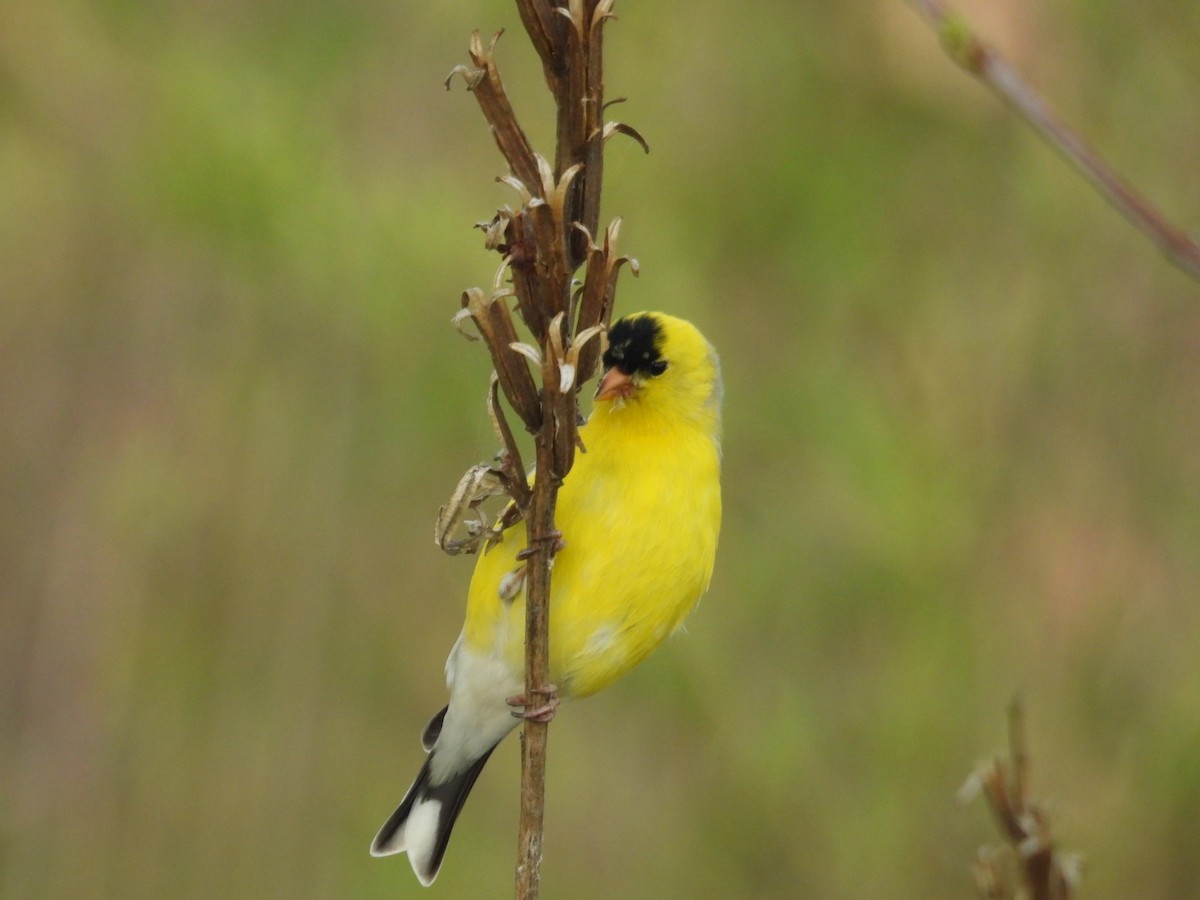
(542, 243)
(1041, 871)
(593, 134)
(982, 61)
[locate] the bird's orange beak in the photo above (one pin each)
(615, 384)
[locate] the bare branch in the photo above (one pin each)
(980, 60)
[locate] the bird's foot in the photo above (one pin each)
(543, 713)
(554, 539)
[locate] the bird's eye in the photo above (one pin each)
(657, 367)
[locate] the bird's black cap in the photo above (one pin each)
(635, 345)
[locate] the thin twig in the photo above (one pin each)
(982, 61)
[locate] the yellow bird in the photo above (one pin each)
(639, 514)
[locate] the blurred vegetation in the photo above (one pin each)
(962, 452)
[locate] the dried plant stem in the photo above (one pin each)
(542, 243)
(980, 60)
(1041, 870)
(537, 680)
(567, 37)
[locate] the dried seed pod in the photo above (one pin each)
(599, 295)
(494, 321)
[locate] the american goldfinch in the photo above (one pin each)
(639, 515)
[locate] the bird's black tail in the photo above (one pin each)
(422, 823)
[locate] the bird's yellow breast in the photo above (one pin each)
(640, 513)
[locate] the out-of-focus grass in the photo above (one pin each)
(962, 452)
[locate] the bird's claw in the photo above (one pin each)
(554, 538)
(543, 713)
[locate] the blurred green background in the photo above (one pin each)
(962, 448)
